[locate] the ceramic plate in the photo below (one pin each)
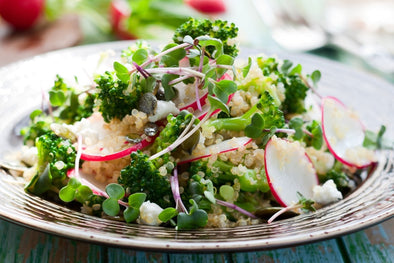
(21, 86)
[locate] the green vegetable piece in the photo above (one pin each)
(111, 207)
(172, 59)
(296, 70)
(246, 69)
(218, 104)
(140, 56)
(57, 98)
(224, 88)
(205, 41)
(83, 194)
(115, 191)
(122, 72)
(286, 66)
(197, 218)
(136, 200)
(296, 124)
(315, 77)
(317, 135)
(169, 90)
(375, 141)
(227, 192)
(167, 214)
(223, 60)
(307, 204)
(131, 214)
(251, 182)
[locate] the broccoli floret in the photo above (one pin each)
(143, 176)
(55, 157)
(266, 108)
(117, 98)
(217, 29)
(295, 88)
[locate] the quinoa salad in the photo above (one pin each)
(189, 135)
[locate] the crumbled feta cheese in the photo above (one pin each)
(29, 155)
(163, 109)
(149, 214)
(327, 193)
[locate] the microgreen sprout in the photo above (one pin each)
(303, 204)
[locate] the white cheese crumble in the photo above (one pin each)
(327, 193)
(149, 214)
(163, 109)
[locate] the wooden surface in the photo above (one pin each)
(20, 244)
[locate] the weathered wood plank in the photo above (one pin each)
(20, 244)
(326, 251)
(375, 244)
(199, 258)
(115, 255)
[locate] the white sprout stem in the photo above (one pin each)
(183, 132)
(158, 56)
(285, 209)
(177, 80)
(176, 70)
(225, 67)
(235, 207)
(180, 140)
(310, 86)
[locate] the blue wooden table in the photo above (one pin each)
(20, 244)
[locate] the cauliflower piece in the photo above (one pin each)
(149, 213)
(163, 109)
(327, 193)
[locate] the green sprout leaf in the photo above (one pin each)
(136, 200)
(255, 128)
(218, 104)
(140, 56)
(196, 218)
(57, 98)
(172, 59)
(167, 214)
(307, 204)
(246, 69)
(169, 90)
(315, 77)
(122, 72)
(111, 206)
(205, 41)
(297, 124)
(224, 88)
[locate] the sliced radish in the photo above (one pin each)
(203, 98)
(289, 170)
(222, 147)
(344, 134)
(108, 157)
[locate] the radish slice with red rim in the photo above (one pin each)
(108, 157)
(222, 147)
(344, 134)
(289, 170)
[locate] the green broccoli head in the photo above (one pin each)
(116, 99)
(55, 157)
(143, 176)
(57, 152)
(295, 88)
(217, 29)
